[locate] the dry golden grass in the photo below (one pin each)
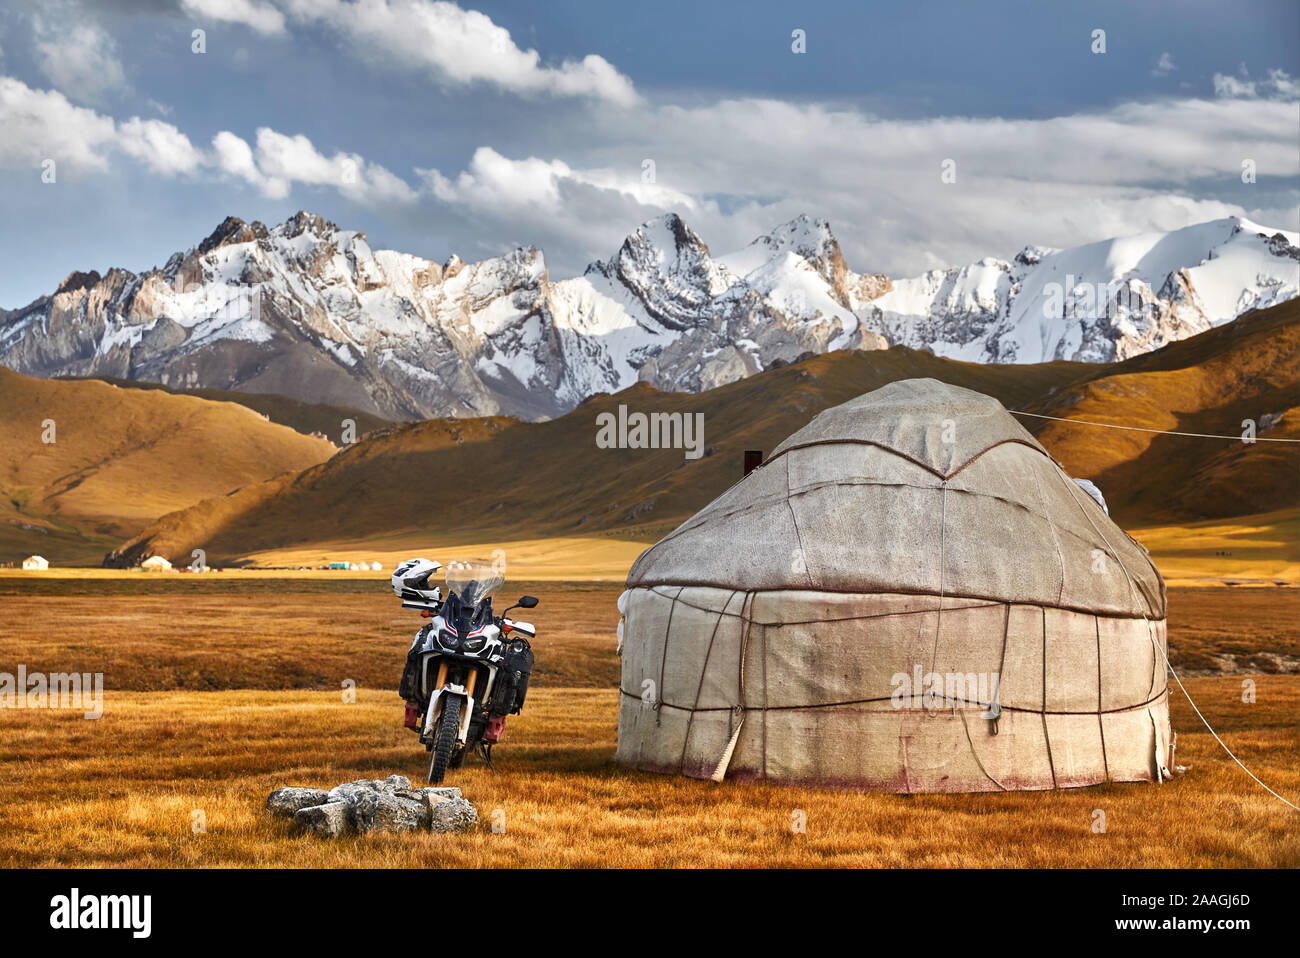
(562, 558)
(158, 632)
(120, 459)
(1252, 630)
(300, 416)
(170, 632)
(123, 790)
(1255, 550)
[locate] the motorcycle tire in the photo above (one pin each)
(445, 742)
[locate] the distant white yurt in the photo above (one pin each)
(909, 595)
(36, 562)
(155, 564)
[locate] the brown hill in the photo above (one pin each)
(120, 459)
(304, 417)
(1248, 369)
(481, 479)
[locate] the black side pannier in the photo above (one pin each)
(409, 688)
(515, 672)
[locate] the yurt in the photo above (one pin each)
(38, 563)
(910, 595)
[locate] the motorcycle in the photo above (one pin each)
(468, 668)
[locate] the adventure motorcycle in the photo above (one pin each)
(468, 668)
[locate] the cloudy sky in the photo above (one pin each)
(440, 128)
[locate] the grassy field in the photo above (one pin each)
(124, 791)
(1251, 550)
(158, 632)
(1259, 550)
(211, 703)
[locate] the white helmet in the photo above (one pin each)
(411, 580)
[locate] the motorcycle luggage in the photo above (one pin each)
(518, 667)
(409, 686)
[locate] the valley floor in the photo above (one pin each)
(128, 790)
(212, 702)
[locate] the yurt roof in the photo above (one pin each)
(908, 417)
(919, 487)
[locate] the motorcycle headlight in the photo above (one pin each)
(475, 644)
(447, 640)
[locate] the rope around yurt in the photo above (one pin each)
(1156, 645)
(1162, 432)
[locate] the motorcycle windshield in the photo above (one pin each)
(473, 580)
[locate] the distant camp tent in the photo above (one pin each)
(36, 562)
(908, 595)
(155, 564)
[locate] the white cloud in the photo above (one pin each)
(1227, 85)
(43, 124)
(1283, 84)
(1164, 66)
(235, 156)
(75, 53)
(737, 168)
(1275, 84)
(280, 161)
(293, 159)
(574, 215)
(495, 181)
(160, 146)
(459, 47)
(261, 17)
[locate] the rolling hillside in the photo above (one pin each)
(482, 479)
(1249, 369)
(120, 459)
(303, 417)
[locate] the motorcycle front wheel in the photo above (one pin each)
(445, 741)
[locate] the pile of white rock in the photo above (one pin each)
(366, 805)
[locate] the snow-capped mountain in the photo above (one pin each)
(1094, 303)
(310, 310)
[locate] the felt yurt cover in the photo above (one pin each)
(909, 594)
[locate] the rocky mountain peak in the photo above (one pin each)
(306, 222)
(78, 280)
(1032, 255)
(666, 239)
(812, 240)
(232, 230)
(804, 234)
(392, 333)
(666, 265)
(1279, 245)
